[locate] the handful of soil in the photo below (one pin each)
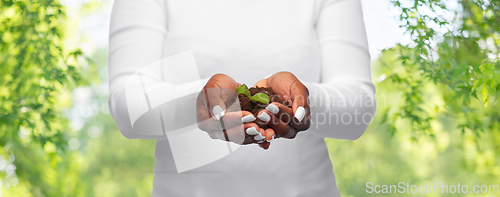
(253, 106)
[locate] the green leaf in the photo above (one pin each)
(260, 97)
(243, 89)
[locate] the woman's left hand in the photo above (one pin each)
(285, 121)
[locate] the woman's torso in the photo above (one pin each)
(249, 40)
(245, 39)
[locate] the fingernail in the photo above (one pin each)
(259, 137)
(248, 118)
(252, 131)
(273, 108)
(218, 112)
(264, 117)
(271, 139)
(300, 113)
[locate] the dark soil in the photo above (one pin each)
(255, 107)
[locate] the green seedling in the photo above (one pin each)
(243, 89)
(259, 97)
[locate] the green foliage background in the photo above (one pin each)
(437, 119)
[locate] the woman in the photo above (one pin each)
(322, 46)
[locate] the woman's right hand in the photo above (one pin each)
(218, 110)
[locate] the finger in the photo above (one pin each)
(254, 134)
(282, 112)
(278, 126)
(219, 89)
(201, 108)
(261, 137)
(291, 133)
(238, 134)
(261, 83)
(214, 103)
(265, 145)
(299, 95)
(285, 114)
(269, 135)
(210, 99)
(231, 119)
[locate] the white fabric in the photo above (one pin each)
(323, 42)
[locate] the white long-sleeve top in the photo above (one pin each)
(322, 42)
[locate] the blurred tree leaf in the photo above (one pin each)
(36, 70)
(458, 56)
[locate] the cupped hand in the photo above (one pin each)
(218, 114)
(285, 121)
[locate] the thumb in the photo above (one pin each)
(299, 95)
(219, 89)
(214, 103)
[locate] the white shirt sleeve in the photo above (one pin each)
(137, 93)
(343, 103)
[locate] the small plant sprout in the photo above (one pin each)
(243, 89)
(259, 97)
